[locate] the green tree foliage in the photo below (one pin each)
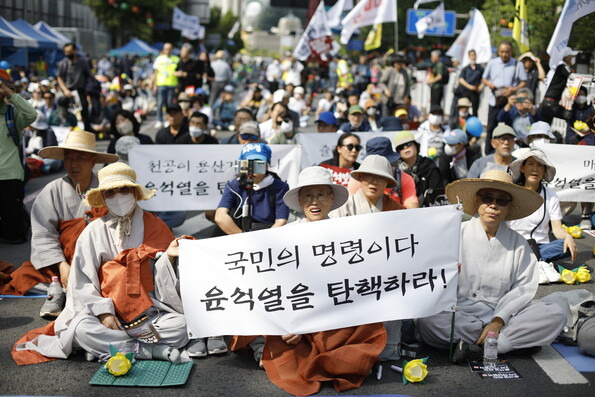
(221, 25)
(120, 18)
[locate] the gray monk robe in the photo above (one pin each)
(58, 201)
(79, 326)
(498, 278)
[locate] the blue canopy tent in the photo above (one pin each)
(20, 38)
(43, 27)
(44, 41)
(134, 47)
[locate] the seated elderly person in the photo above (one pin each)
(375, 175)
(116, 279)
(58, 216)
(498, 277)
(300, 363)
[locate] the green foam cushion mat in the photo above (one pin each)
(147, 373)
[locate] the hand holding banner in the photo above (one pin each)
(324, 275)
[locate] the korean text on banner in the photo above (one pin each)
(575, 171)
(316, 39)
(183, 21)
(319, 147)
(330, 274)
(193, 177)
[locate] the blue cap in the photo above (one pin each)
(381, 146)
(327, 118)
(200, 91)
(256, 151)
(453, 137)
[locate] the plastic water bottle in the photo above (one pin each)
(490, 351)
(55, 288)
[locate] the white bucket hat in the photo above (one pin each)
(81, 141)
(515, 166)
(540, 128)
(315, 176)
(375, 165)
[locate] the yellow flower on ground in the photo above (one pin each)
(415, 371)
(583, 275)
(568, 276)
(118, 365)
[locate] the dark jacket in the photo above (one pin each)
(448, 174)
(364, 127)
(425, 174)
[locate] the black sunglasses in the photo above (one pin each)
(489, 199)
(249, 137)
(351, 146)
(403, 146)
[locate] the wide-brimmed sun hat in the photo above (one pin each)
(115, 176)
(524, 201)
(81, 141)
(375, 165)
(315, 176)
(515, 166)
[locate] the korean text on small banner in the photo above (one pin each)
(575, 171)
(330, 274)
(193, 177)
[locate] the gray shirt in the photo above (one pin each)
(484, 164)
(222, 71)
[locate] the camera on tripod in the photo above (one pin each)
(247, 169)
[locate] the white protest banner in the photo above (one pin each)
(368, 12)
(324, 275)
(475, 36)
(316, 39)
(183, 21)
(319, 147)
(573, 10)
(575, 171)
(193, 177)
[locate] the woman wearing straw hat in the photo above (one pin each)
(375, 175)
(531, 169)
(58, 216)
(498, 277)
(300, 363)
(115, 280)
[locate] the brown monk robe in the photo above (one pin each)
(18, 282)
(127, 280)
(343, 356)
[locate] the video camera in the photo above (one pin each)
(247, 169)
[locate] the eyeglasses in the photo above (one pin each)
(249, 137)
(310, 197)
(122, 190)
(351, 146)
(403, 146)
(489, 199)
(503, 138)
(183, 101)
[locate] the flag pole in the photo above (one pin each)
(397, 31)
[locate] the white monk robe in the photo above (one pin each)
(79, 326)
(357, 204)
(498, 278)
(58, 201)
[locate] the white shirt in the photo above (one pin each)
(266, 130)
(525, 225)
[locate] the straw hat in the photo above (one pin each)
(524, 201)
(114, 176)
(515, 166)
(81, 141)
(375, 165)
(315, 176)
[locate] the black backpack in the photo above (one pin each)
(445, 75)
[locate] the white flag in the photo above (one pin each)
(573, 10)
(234, 30)
(333, 15)
(433, 20)
(194, 34)
(183, 21)
(475, 36)
(317, 38)
(366, 13)
(420, 2)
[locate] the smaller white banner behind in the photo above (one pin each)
(193, 177)
(575, 171)
(324, 275)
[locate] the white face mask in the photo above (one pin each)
(185, 105)
(125, 128)
(581, 99)
(121, 204)
(463, 113)
(450, 150)
(286, 126)
(538, 141)
(435, 119)
(371, 112)
(195, 132)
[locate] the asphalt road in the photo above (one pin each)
(238, 374)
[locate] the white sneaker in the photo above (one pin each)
(552, 275)
(543, 278)
(158, 125)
